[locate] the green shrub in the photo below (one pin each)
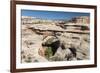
(48, 52)
(84, 28)
(28, 60)
(36, 61)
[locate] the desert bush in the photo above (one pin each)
(28, 60)
(56, 58)
(48, 52)
(84, 28)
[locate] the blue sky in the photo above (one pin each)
(53, 15)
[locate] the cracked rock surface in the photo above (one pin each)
(52, 45)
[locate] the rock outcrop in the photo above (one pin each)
(43, 42)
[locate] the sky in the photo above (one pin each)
(52, 15)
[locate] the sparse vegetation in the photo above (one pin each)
(48, 52)
(84, 28)
(29, 59)
(36, 61)
(31, 49)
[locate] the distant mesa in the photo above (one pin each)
(78, 20)
(76, 24)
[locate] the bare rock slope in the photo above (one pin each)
(50, 42)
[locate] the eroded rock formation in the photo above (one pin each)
(50, 42)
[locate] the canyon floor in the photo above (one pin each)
(50, 42)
